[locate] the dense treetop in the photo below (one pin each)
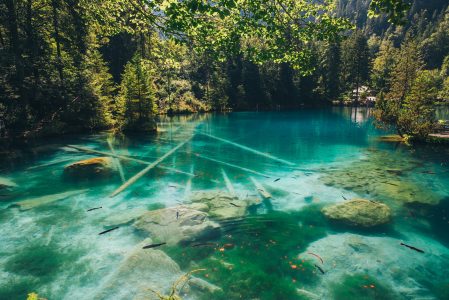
(72, 65)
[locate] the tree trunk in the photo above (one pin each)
(14, 40)
(31, 46)
(55, 6)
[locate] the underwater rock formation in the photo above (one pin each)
(175, 224)
(6, 183)
(222, 204)
(359, 212)
(382, 258)
(382, 176)
(140, 270)
(90, 168)
(145, 269)
(125, 216)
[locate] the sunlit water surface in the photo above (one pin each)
(281, 248)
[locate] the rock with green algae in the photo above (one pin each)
(47, 199)
(222, 204)
(90, 168)
(175, 224)
(145, 269)
(359, 212)
(382, 175)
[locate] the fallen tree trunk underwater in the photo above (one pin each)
(129, 158)
(231, 165)
(117, 161)
(249, 149)
(260, 189)
(147, 169)
(228, 182)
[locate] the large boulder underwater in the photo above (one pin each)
(91, 168)
(221, 204)
(384, 176)
(177, 224)
(145, 270)
(357, 265)
(359, 212)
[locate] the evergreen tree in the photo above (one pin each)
(355, 61)
(417, 115)
(136, 99)
(330, 71)
(382, 66)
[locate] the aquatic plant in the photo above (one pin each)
(383, 176)
(40, 261)
(34, 296)
(18, 288)
(238, 261)
(155, 206)
(361, 287)
(174, 293)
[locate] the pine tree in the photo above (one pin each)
(355, 61)
(136, 100)
(382, 66)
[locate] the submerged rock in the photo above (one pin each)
(145, 269)
(140, 270)
(359, 212)
(42, 200)
(222, 204)
(383, 175)
(125, 216)
(90, 168)
(203, 285)
(382, 258)
(176, 224)
(6, 183)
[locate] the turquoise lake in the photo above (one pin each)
(239, 203)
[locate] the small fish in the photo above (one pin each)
(277, 179)
(428, 172)
(106, 231)
(153, 245)
(235, 204)
(413, 248)
(177, 215)
(319, 268)
(344, 197)
(91, 209)
(205, 244)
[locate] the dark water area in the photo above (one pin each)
(250, 223)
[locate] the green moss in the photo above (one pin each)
(257, 256)
(52, 214)
(184, 256)
(39, 261)
(440, 289)
(361, 287)
(18, 289)
(155, 206)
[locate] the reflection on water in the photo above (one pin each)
(242, 200)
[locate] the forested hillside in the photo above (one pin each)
(63, 70)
